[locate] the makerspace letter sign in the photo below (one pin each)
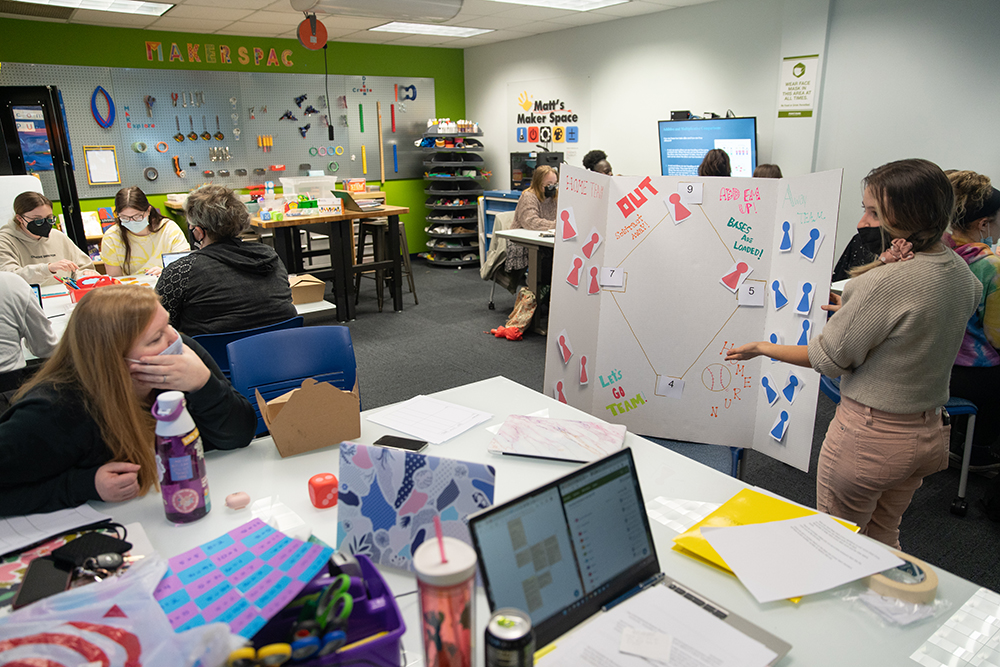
(552, 112)
(799, 75)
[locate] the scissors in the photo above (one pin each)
(321, 628)
(271, 655)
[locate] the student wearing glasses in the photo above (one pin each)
(137, 242)
(32, 248)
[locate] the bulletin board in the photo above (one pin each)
(407, 103)
(655, 278)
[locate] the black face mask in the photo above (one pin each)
(873, 239)
(550, 191)
(40, 227)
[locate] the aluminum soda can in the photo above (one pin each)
(510, 640)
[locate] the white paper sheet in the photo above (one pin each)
(18, 532)
(678, 514)
(429, 419)
(699, 638)
(785, 559)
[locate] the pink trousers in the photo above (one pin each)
(872, 462)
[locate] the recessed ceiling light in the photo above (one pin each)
(120, 6)
(573, 5)
(428, 29)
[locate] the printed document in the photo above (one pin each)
(430, 419)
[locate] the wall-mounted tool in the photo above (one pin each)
(300, 99)
(149, 101)
(192, 135)
(206, 135)
(310, 110)
(287, 116)
(173, 98)
(184, 99)
(179, 137)
(219, 136)
(304, 130)
(177, 167)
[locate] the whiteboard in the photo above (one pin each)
(654, 278)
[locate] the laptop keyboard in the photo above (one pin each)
(719, 613)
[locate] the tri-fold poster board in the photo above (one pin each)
(655, 278)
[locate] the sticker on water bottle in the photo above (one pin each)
(180, 468)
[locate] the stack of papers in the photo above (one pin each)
(430, 419)
(560, 439)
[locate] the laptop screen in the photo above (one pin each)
(169, 257)
(562, 551)
(38, 294)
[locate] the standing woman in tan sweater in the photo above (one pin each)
(892, 342)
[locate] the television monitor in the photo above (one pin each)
(522, 166)
(683, 144)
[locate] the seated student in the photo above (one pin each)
(31, 248)
(80, 429)
(597, 160)
(536, 210)
(136, 243)
(715, 163)
(225, 285)
(767, 171)
(976, 373)
(20, 318)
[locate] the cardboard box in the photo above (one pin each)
(354, 184)
(306, 288)
(314, 416)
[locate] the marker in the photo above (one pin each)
(395, 159)
(392, 110)
(364, 159)
(652, 581)
(361, 116)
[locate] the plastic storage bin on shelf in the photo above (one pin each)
(313, 186)
(454, 175)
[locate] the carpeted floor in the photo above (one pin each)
(441, 343)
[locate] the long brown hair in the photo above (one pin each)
(90, 361)
(971, 192)
(29, 201)
(536, 180)
(134, 198)
(914, 200)
(715, 163)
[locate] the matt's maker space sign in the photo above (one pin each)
(547, 112)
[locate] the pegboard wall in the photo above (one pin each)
(406, 104)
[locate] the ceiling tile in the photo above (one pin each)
(538, 27)
(110, 19)
(188, 25)
(289, 18)
(482, 7)
(338, 22)
(583, 18)
(633, 8)
(527, 13)
(201, 12)
(369, 37)
(423, 40)
(251, 29)
(490, 22)
(232, 4)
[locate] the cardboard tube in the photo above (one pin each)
(923, 592)
(364, 160)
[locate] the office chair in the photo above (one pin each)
(215, 344)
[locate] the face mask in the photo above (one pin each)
(195, 241)
(177, 347)
(550, 191)
(40, 227)
(135, 226)
(871, 238)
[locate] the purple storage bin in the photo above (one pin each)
(378, 612)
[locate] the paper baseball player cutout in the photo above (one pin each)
(567, 224)
(811, 246)
(792, 387)
(737, 273)
(786, 237)
(804, 336)
(595, 287)
(591, 246)
(557, 392)
(780, 426)
(780, 300)
(573, 277)
(767, 382)
(679, 210)
(565, 351)
(583, 369)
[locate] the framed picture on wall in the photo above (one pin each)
(102, 165)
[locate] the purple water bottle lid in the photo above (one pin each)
(167, 398)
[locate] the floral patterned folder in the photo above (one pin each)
(389, 497)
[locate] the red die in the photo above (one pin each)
(323, 490)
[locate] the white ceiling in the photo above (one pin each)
(276, 18)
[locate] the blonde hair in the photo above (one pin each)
(971, 192)
(90, 361)
(536, 180)
(914, 200)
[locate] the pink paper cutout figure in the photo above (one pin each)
(564, 350)
(569, 229)
(583, 370)
(559, 392)
(732, 280)
(681, 212)
(588, 247)
(594, 288)
(574, 273)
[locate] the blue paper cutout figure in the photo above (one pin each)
(773, 338)
(804, 337)
(789, 390)
(803, 307)
(778, 432)
(786, 238)
(779, 299)
(809, 249)
(772, 395)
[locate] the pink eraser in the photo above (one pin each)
(238, 500)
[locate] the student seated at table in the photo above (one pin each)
(536, 210)
(136, 242)
(597, 160)
(227, 284)
(80, 429)
(34, 250)
(21, 318)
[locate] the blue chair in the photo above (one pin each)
(954, 406)
(215, 344)
(278, 361)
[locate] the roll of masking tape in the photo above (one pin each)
(139, 147)
(913, 582)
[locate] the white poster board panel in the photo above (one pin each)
(657, 360)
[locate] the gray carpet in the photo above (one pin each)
(441, 343)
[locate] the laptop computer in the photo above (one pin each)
(37, 289)
(169, 257)
(349, 202)
(577, 545)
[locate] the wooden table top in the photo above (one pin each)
(297, 220)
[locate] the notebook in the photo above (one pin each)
(349, 202)
(559, 439)
(169, 257)
(388, 500)
(567, 549)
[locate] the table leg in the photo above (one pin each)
(345, 273)
(396, 272)
(533, 273)
(339, 267)
(284, 245)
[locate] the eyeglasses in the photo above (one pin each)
(50, 220)
(134, 218)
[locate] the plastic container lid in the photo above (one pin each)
(461, 565)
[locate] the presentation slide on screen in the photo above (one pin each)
(683, 144)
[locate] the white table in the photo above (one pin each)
(821, 629)
(533, 240)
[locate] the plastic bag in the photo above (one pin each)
(115, 622)
(891, 612)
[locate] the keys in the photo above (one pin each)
(103, 566)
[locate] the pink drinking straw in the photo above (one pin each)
(440, 536)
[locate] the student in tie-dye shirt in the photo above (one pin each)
(976, 374)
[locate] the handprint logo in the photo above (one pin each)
(524, 101)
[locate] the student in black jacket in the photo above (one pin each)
(226, 285)
(81, 429)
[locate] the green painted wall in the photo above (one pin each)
(64, 44)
